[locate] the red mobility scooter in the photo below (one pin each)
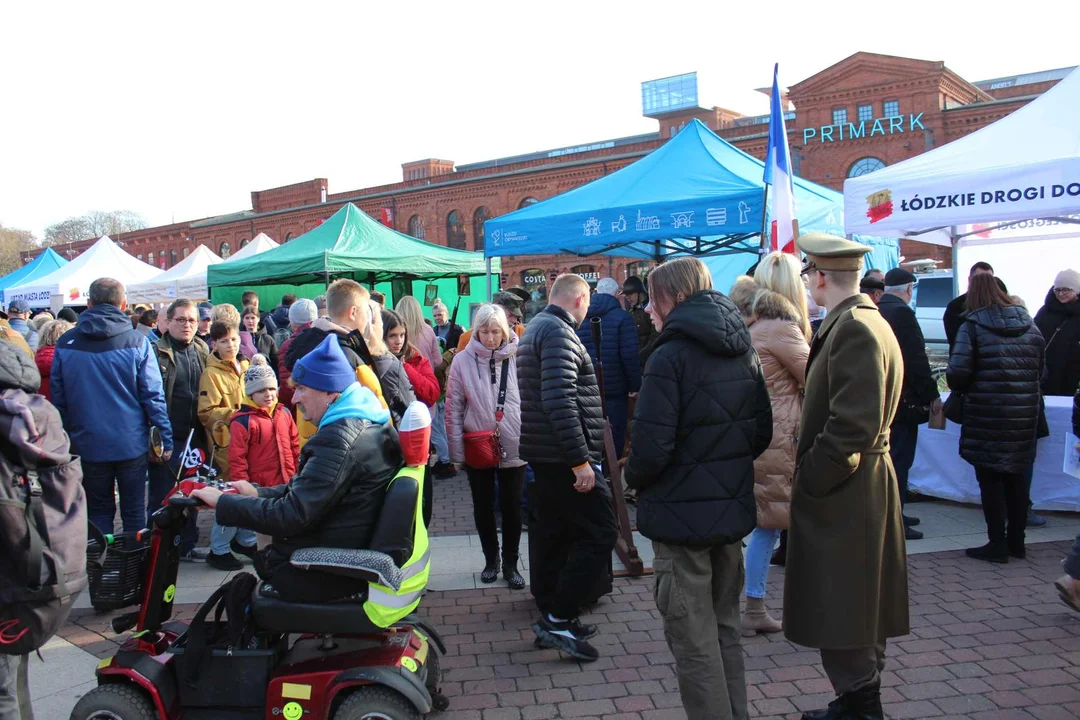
(302, 661)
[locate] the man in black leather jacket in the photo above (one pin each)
(335, 497)
(573, 530)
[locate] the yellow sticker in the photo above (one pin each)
(104, 663)
(295, 692)
(409, 664)
(421, 654)
(170, 593)
(292, 711)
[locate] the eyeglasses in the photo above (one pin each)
(808, 267)
(1062, 291)
(185, 321)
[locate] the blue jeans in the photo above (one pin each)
(438, 432)
(617, 407)
(221, 537)
(758, 554)
(101, 479)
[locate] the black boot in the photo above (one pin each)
(861, 704)
(837, 710)
(779, 556)
(989, 552)
(511, 575)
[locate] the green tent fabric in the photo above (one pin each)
(350, 243)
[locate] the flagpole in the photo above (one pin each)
(766, 246)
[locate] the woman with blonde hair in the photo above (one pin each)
(702, 417)
(48, 334)
(420, 333)
(780, 331)
(482, 396)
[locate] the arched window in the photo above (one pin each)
(224, 251)
(638, 269)
(139, 257)
(478, 218)
(288, 237)
(416, 227)
(455, 231)
(864, 166)
(150, 258)
(527, 202)
(187, 251)
(172, 258)
(243, 243)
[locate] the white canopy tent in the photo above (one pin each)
(258, 245)
(1024, 166)
(165, 287)
(195, 288)
(70, 285)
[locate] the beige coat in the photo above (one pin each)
(845, 585)
(782, 348)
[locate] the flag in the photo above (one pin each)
(778, 175)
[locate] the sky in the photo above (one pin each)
(180, 110)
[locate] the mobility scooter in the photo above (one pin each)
(300, 661)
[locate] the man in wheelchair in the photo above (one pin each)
(351, 493)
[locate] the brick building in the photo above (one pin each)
(865, 112)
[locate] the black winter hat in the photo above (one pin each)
(633, 284)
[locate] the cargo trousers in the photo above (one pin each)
(697, 593)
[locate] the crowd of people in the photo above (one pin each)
(771, 415)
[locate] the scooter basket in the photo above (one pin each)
(228, 678)
(115, 571)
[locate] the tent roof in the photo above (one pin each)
(193, 265)
(1038, 146)
(694, 194)
(165, 287)
(102, 259)
(258, 244)
(42, 265)
(349, 242)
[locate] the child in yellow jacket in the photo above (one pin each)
(221, 392)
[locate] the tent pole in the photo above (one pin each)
(487, 263)
(765, 245)
(955, 256)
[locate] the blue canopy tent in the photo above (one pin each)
(694, 195)
(40, 266)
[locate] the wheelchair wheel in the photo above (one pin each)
(375, 702)
(114, 702)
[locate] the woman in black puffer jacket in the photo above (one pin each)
(997, 363)
(703, 415)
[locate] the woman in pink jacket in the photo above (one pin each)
(477, 376)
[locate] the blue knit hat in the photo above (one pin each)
(325, 368)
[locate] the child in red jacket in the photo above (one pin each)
(263, 445)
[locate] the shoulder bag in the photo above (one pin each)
(482, 448)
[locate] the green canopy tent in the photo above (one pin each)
(349, 244)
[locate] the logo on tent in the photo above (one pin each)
(744, 212)
(74, 293)
(682, 219)
(716, 216)
(496, 237)
(879, 206)
(619, 225)
(592, 227)
(649, 222)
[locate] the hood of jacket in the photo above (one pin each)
(213, 361)
(1053, 305)
(103, 321)
(1003, 320)
(769, 305)
(356, 402)
(601, 304)
(18, 371)
(711, 320)
(507, 350)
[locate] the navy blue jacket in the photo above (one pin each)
(107, 386)
(618, 344)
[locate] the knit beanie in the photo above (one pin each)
(302, 312)
(325, 368)
(1068, 279)
(259, 377)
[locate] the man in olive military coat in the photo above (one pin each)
(845, 587)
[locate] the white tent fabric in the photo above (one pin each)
(1026, 165)
(103, 259)
(189, 274)
(196, 286)
(259, 244)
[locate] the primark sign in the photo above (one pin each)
(855, 131)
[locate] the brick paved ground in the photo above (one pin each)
(987, 643)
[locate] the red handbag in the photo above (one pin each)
(482, 448)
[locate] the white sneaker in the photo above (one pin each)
(198, 554)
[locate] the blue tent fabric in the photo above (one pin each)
(41, 266)
(688, 195)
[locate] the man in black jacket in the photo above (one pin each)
(954, 311)
(919, 394)
(573, 530)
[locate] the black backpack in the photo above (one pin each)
(42, 523)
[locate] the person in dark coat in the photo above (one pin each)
(573, 530)
(997, 364)
(618, 352)
(919, 396)
(335, 498)
(447, 332)
(702, 417)
(633, 290)
(954, 311)
(1059, 322)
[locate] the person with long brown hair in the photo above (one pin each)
(997, 364)
(703, 415)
